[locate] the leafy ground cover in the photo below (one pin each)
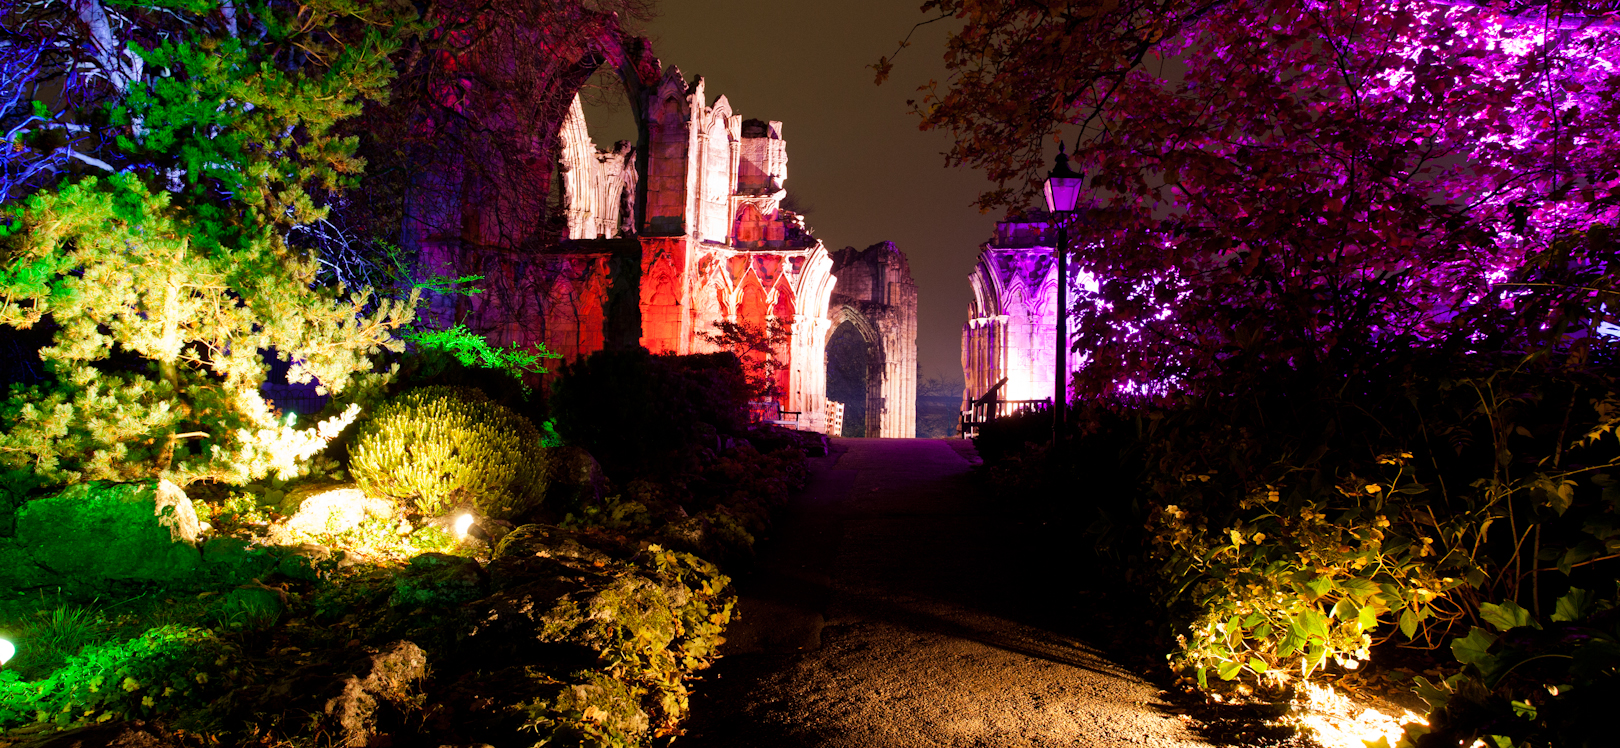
(1458, 550)
(581, 621)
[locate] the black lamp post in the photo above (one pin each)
(1062, 191)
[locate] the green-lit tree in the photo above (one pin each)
(197, 133)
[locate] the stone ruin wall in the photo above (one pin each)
(877, 296)
(647, 244)
(1012, 319)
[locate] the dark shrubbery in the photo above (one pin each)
(639, 413)
(1299, 509)
(1004, 437)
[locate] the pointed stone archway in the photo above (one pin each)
(854, 365)
(877, 299)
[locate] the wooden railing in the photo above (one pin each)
(835, 418)
(989, 407)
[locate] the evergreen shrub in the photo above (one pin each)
(435, 445)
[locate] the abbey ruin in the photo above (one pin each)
(1009, 338)
(652, 243)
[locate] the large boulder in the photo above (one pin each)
(574, 479)
(100, 530)
(329, 510)
(390, 682)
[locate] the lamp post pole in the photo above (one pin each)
(1060, 379)
(1062, 190)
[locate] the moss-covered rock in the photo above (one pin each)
(236, 560)
(300, 566)
(391, 681)
(549, 541)
(717, 533)
(329, 511)
(99, 530)
(436, 580)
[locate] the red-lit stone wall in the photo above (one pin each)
(663, 286)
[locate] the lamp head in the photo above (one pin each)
(1063, 184)
(7, 650)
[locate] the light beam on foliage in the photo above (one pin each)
(1337, 722)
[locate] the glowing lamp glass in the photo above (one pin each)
(7, 649)
(1062, 193)
(462, 524)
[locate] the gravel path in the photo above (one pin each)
(896, 607)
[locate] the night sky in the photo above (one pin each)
(856, 159)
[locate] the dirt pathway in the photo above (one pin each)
(896, 607)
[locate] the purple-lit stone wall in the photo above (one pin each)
(1010, 330)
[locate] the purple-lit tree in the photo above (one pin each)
(1351, 261)
(1278, 179)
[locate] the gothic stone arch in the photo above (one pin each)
(1012, 321)
(864, 406)
(875, 293)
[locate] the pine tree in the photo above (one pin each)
(169, 278)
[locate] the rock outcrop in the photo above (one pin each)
(100, 530)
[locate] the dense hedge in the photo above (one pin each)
(640, 413)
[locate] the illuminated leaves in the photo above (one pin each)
(177, 259)
(1473, 649)
(1345, 173)
(1507, 615)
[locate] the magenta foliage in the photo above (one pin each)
(1293, 180)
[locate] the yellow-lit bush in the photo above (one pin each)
(439, 445)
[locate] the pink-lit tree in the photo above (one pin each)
(1285, 180)
(1351, 259)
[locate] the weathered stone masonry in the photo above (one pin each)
(651, 244)
(1012, 319)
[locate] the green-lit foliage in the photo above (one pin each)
(177, 264)
(473, 350)
(51, 636)
(435, 445)
(1528, 682)
(164, 669)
